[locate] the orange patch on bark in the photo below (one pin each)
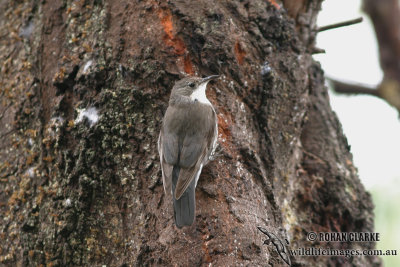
(223, 128)
(169, 38)
(239, 53)
(175, 42)
(224, 120)
(166, 21)
(187, 65)
(225, 135)
(274, 3)
(204, 247)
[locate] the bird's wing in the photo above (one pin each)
(193, 153)
(170, 146)
(166, 169)
(186, 175)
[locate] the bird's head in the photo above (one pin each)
(190, 86)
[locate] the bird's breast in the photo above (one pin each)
(190, 118)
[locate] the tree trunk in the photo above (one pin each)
(84, 86)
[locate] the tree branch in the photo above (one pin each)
(352, 89)
(340, 24)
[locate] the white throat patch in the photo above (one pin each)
(200, 94)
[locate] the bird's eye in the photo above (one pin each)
(191, 85)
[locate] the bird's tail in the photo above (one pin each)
(184, 207)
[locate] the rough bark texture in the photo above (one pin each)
(76, 191)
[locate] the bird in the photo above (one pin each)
(187, 142)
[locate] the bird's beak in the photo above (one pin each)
(212, 77)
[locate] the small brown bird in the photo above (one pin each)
(188, 138)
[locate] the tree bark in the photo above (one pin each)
(85, 85)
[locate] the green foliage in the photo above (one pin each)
(387, 219)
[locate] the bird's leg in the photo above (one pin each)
(218, 152)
